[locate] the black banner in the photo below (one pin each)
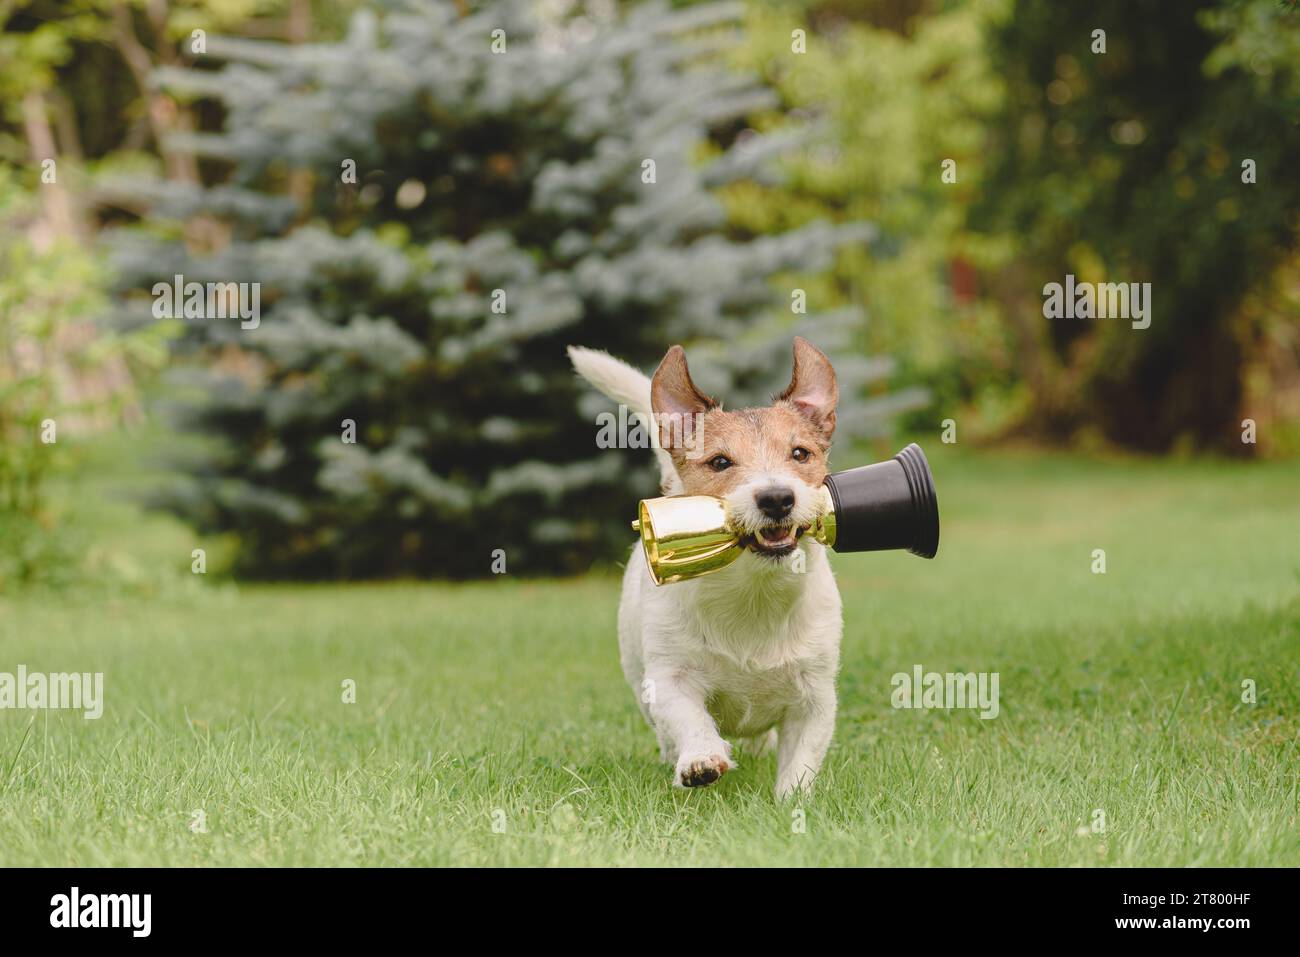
(1178, 907)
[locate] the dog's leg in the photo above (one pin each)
(805, 736)
(667, 753)
(681, 717)
(759, 744)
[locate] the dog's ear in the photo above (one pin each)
(812, 387)
(676, 401)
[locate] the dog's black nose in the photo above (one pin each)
(775, 502)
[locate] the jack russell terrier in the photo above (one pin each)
(751, 651)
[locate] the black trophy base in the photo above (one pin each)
(888, 505)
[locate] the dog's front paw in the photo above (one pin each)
(701, 770)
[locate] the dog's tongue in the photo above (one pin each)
(774, 534)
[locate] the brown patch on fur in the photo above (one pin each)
(755, 440)
(676, 402)
(812, 390)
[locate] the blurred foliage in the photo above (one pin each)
(46, 293)
(42, 291)
(1262, 44)
(94, 64)
(1115, 166)
(498, 212)
(900, 88)
(1127, 165)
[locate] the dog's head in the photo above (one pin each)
(769, 463)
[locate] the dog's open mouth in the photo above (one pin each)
(775, 540)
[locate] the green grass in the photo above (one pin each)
(1119, 692)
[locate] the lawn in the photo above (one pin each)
(492, 724)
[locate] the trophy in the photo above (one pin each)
(880, 507)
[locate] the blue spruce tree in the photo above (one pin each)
(434, 208)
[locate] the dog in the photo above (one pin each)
(749, 652)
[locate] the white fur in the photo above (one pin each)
(740, 652)
(618, 380)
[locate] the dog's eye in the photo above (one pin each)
(720, 463)
(800, 454)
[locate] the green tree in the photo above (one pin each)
(1117, 166)
(1128, 165)
(902, 93)
(56, 374)
(514, 192)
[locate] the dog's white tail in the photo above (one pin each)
(618, 380)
